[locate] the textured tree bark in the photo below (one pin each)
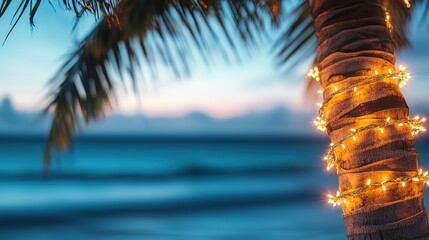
(353, 43)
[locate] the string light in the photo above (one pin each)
(387, 20)
(314, 73)
(401, 77)
(339, 199)
(407, 4)
(415, 124)
(320, 124)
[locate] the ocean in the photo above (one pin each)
(171, 189)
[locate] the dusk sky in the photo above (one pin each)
(30, 57)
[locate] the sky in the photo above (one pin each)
(30, 57)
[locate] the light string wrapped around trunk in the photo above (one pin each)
(415, 123)
(401, 76)
(339, 199)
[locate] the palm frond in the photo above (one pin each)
(401, 14)
(108, 8)
(297, 42)
(298, 38)
(400, 20)
(153, 32)
(420, 8)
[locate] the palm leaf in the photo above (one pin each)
(95, 7)
(148, 33)
(400, 20)
(297, 42)
(154, 32)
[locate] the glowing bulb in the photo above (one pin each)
(402, 76)
(314, 73)
(407, 4)
(415, 123)
(320, 124)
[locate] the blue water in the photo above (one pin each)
(170, 189)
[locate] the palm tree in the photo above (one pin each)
(353, 42)
(352, 39)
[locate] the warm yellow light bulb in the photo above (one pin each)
(407, 4)
(320, 124)
(384, 188)
(314, 73)
(388, 23)
(368, 182)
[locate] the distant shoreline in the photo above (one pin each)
(165, 137)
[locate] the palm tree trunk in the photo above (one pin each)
(353, 43)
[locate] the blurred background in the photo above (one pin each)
(225, 153)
